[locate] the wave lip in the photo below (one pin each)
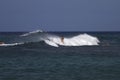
(33, 32)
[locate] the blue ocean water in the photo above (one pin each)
(39, 61)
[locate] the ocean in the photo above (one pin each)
(36, 60)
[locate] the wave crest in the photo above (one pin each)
(56, 41)
(33, 32)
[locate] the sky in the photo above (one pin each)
(60, 15)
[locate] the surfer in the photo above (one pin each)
(62, 40)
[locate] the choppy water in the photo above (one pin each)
(39, 61)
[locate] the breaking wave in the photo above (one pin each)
(56, 40)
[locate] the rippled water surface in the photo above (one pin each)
(39, 61)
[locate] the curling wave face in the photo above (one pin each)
(56, 41)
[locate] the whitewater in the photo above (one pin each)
(56, 40)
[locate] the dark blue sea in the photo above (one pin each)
(39, 61)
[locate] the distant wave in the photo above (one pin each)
(56, 41)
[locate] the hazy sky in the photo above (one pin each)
(60, 15)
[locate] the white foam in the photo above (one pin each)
(12, 44)
(79, 40)
(51, 43)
